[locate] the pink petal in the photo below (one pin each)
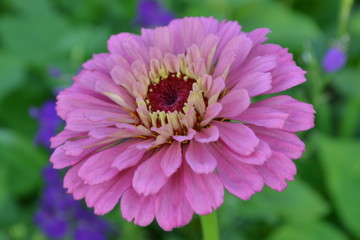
(74, 183)
(263, 116)
(258, 157)
(286, 74)
(227, 30)
(257, 64)
(63, 136)
(204, 192)
(234, 103)
(199, 158)
(258, 35)
(206, 135)
(281, 141)
(163, 39)
(138, 207)
(172, 158)
(193, 31)
(172, 208)
(74, 98)
(97, 168)
(97, 63)
(232, 55)
(104, 196)
(208, 48)
(301, 115)
(128, 45)
(130, 155)
(60, 160)
(149, 178)
(212, 111)
(83, 120)
(238, 137)
(276, 170)
(190, 135)
(255, 83)
(240, 179)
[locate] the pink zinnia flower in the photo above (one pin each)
(165, 121)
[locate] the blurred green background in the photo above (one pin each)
(323, 203)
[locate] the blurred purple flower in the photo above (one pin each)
(59, 215)
(334, 59)
(150, 13)
(48, 122)
(54, 72)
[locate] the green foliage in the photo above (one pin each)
(308, 231)
(340, 159)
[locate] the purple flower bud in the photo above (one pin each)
(334, 59)
(151, 13)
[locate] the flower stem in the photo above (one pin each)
(345, 9)
(209, 226)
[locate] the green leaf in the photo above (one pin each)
(34, 33)
(308, 231)
(297, 203)
(346, 82)
(23, 160)
(12, 73)
(288, 28)
(341, 163)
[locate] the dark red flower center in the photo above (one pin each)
(169, 94)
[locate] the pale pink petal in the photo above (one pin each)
(232, 55)
(74, 184)
(276, 170)
(97, 63)
(172, 208)
(263, 116)
(212, 111)
(258, 35)
(137, 207)
(193, 31)
(204, 192)
(238, 137)
(199, 158)
(234, 103)
(207, 50)
(128, 45)
(163, 39)
(258, 64)
(227, 30)
(255, 83)
(287, 74)
(149, 177)
(64, 136)
(301, 115)
(258, 157)
(76, 97)
(98, 167)
(211, 24)
(82, 120)
(181, 138)
(172, 158)
(285, 142)
(130, 155)
(104, 196)
(240, 179)
(176, 27)
(206, 135)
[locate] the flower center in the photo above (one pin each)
(170, 93)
